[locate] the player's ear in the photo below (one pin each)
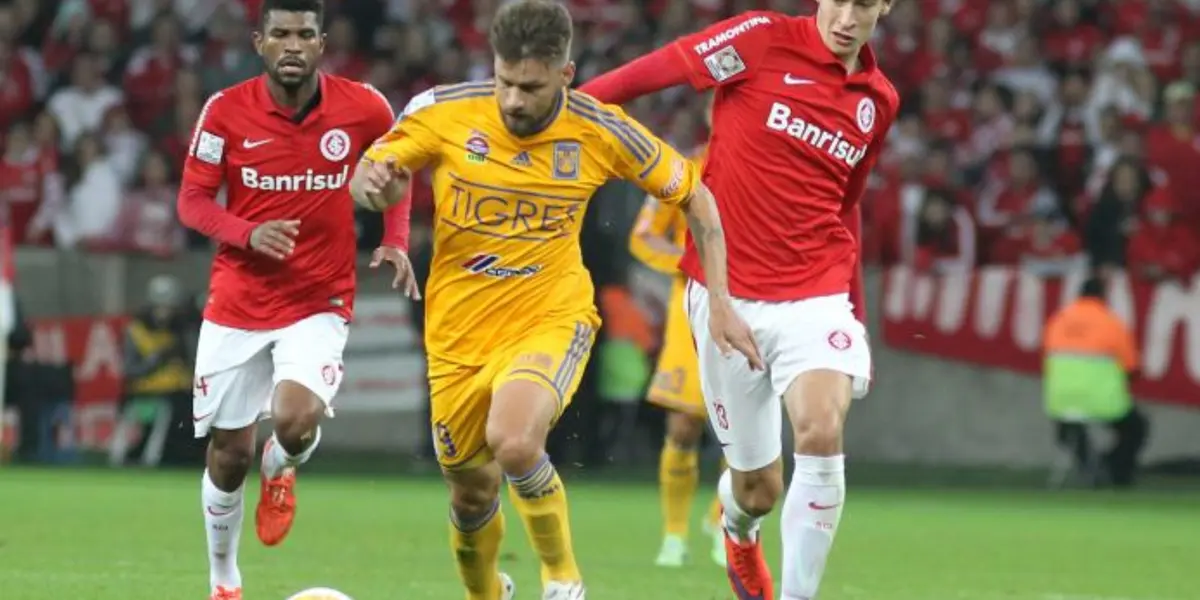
(321, 46)
(887, 8)
(257, 38)
(568, 73)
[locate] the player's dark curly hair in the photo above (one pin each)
(537, 29)
(312, 6)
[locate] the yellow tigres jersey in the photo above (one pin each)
(508, 210)
(661, 219)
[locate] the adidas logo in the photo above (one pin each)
(522, 160)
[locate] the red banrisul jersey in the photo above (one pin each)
(793, 141)
(278, 165)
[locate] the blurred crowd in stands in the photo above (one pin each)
(1044, 133)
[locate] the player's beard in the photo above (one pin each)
(291, 82)
(524, 125)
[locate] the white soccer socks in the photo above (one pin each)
(810, 517)
(742, 526)
(276, 459)
(223, 523)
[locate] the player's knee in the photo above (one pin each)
(469, 502)
(684, 430)
(474, 492)
(515, 452)
(820, 432)
(297, 413)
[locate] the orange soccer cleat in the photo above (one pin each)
(747, 569)
(224, 593)
(276, 505)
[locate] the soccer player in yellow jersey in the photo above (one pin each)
(509, 313)
(657, 241)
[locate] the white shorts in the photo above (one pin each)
(237, 370)
(745, 407)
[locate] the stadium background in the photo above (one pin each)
(1036, 138)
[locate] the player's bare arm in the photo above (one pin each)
(728, 329)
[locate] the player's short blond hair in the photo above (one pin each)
(537, 29)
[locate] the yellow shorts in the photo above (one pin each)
(676, 384)
(553, 355)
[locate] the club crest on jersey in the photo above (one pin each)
(335, 145)
(866, 115)
(477, 148)
(725, 63)
(566, 160)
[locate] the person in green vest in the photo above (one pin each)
(1090, 356)
(157, 375)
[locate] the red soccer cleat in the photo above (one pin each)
(276, 505)
(224, 593)
(748, 571)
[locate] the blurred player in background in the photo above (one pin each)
(510, 313)
(659, 237)
(282, 284)
(800, 115)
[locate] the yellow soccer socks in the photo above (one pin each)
(476, 546)
(678, 477)
(541, 499)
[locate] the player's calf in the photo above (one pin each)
(817, 402)
(477, 529)
(297, 412)
(229, 456)
(678, 478)
(228, 459)
(518, 424)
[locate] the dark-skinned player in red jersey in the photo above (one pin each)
(282, 285)
(802, 100)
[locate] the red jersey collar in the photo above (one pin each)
(262, 96)
(867, 64)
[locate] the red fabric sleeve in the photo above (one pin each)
(198, 209)
(724, 53)
(397, 222)
(203, 173)
(658, 70)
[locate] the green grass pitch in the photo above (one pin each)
(128, 535)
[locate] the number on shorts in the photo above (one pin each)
(202, 386)
(722, 418)
(445, 443)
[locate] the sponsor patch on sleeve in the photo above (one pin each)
(210, 148)
(725, 63)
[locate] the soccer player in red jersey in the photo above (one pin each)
(800, 116)
(282, 285)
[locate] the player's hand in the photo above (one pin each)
(731, 332)
(276, 239)
(405, 278)
(377, 176)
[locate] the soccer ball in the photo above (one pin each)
(319, 594)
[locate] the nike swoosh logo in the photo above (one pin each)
(220, 511)
(249, 145)
(789, 80)
(198, 418)
(815, 506)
